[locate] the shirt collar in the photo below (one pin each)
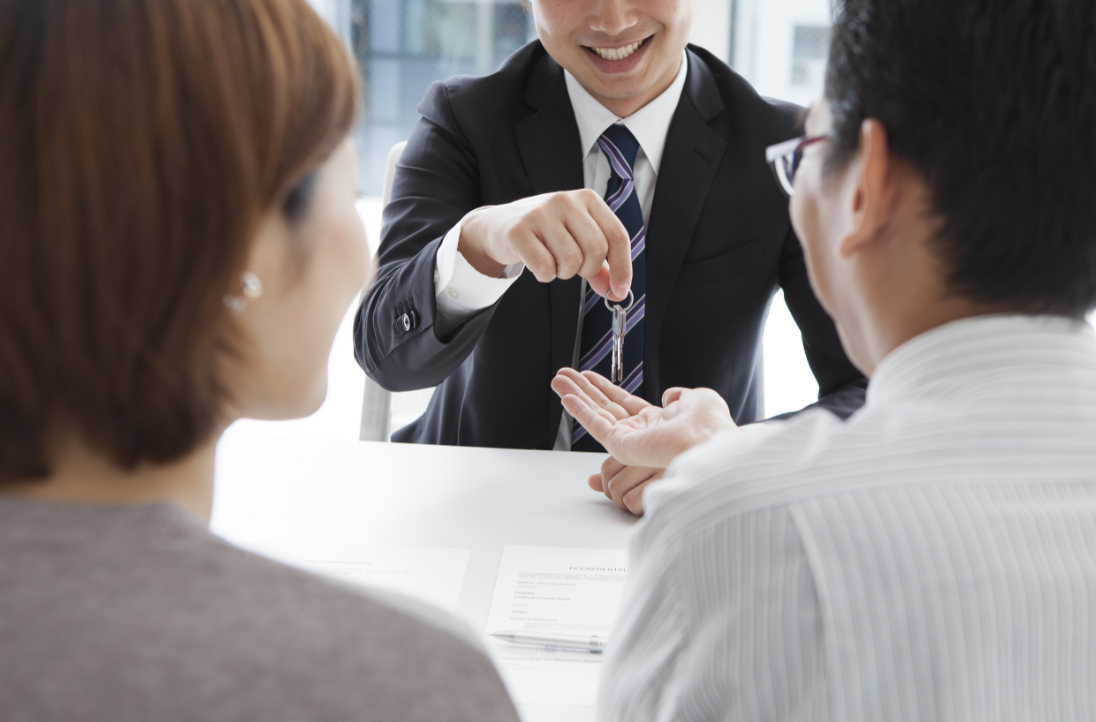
(984, 352)
(649, 124)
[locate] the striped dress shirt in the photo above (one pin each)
(932, 558)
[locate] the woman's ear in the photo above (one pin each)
(267, 256)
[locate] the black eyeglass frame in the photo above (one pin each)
(784, 158)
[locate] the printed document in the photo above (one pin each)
(566, 591)
(434, 576)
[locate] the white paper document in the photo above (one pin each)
(434, 576)
(545, 589)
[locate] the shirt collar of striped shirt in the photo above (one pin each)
(983, 351)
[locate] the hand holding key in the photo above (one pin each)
(556, 235)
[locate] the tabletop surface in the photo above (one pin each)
(305, 491)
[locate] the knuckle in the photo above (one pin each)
(595, 241)
(558, 204)
(539, 266)
(522, 231)
(599, 248)
(571, 259)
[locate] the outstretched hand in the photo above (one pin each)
(635, 432)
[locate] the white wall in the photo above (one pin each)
(329, 10)
(764, 37)
(712, 27)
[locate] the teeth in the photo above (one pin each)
(617, 53)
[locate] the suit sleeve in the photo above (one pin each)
(437, 182)
(841, 386)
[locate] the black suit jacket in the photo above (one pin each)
(719, 243)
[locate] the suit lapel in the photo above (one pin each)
(550, 147)
(689, 163)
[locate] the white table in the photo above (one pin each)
(302, 491)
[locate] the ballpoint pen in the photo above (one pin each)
(593, 643)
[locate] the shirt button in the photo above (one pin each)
(454, 294)
(405, 323)
(437, 276)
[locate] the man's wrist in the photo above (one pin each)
(704, 433)
(471, 248)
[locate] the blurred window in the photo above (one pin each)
(405, 45)
(809, 51)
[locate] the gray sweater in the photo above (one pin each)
(137, 612)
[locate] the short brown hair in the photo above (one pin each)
(140, 143)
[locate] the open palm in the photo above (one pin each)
(635, 432)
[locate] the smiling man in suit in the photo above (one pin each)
(606, 159)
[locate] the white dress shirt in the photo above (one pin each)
(932, 558)
(462, 291)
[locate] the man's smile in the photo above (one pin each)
(619, 53)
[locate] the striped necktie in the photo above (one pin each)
(620, 147)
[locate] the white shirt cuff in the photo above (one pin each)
(461, 290)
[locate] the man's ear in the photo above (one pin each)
(872, 198)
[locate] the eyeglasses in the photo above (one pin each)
(784, 158)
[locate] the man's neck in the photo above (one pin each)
(82, 475)
(902, 323)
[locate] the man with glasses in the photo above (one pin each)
(934, 556)
(511, 172)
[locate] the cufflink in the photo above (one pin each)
(406, 322)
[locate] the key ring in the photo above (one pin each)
(631, 302)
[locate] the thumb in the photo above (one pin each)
(672, 395)
(601, 283)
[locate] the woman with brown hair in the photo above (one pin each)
(178, 244)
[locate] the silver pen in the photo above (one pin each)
(592, 643)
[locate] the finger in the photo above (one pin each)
(592, 392)
(564, 248)
(597, 423)
(619, 253)
(595, 482)
(610, 468)
(672, 395)
(535, 255)
(600, 283)
(570, 382)
(626, 480)
(615, 394)
(633, 500)
(591, 241)
(563, 385)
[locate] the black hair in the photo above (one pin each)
(994, 103)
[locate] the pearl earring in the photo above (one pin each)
(252, 287)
